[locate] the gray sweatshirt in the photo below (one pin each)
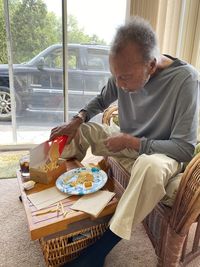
(164, 114)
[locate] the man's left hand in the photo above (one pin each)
(121, 141)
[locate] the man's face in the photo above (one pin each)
(129, 69)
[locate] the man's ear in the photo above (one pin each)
(152, 66)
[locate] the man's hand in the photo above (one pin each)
(121, 141)
(69, 129)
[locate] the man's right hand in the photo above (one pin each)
(69, 129)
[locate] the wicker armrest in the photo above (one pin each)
(186, 208)
(109, 113)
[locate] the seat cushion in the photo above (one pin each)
(171, 190)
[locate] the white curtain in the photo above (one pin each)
(177, 24)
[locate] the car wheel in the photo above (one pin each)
(5, 104)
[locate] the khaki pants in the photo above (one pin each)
(149, 175)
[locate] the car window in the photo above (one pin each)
(72, 59)
(54, 59)
(97, 60)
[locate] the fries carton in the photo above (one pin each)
(46, 177)
(44, 167)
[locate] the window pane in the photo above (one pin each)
(36, 29)
(38, 72)
(98, 60)
(91, 27)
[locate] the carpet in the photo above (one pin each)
(17, 250)
(9, 163)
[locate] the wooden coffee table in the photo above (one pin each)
(52, 223)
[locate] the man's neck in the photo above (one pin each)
(163, 63)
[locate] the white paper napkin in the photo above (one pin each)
(47, 197)
(93, 203)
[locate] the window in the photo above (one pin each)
(38, 83)
(54, 59)
(72, 60)
(97, 60)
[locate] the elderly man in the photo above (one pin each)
(158, 115)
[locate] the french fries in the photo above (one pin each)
(59, 208)
(49, 166)
(46, 211)
(52, 161)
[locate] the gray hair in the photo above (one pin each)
(137, 31)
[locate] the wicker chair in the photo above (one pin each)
(168, 228)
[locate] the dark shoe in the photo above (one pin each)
(94, 255)
(82, 261)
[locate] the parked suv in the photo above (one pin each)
(38, 84)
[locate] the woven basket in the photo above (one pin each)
(60, 250)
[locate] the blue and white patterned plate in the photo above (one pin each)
(64, 180)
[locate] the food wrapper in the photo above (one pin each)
(45, 164)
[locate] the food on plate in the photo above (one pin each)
(86, 176)
(67, 178)
(88, 184)
(83, 177)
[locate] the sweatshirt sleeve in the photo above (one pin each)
(183, 138)
(99, 103)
